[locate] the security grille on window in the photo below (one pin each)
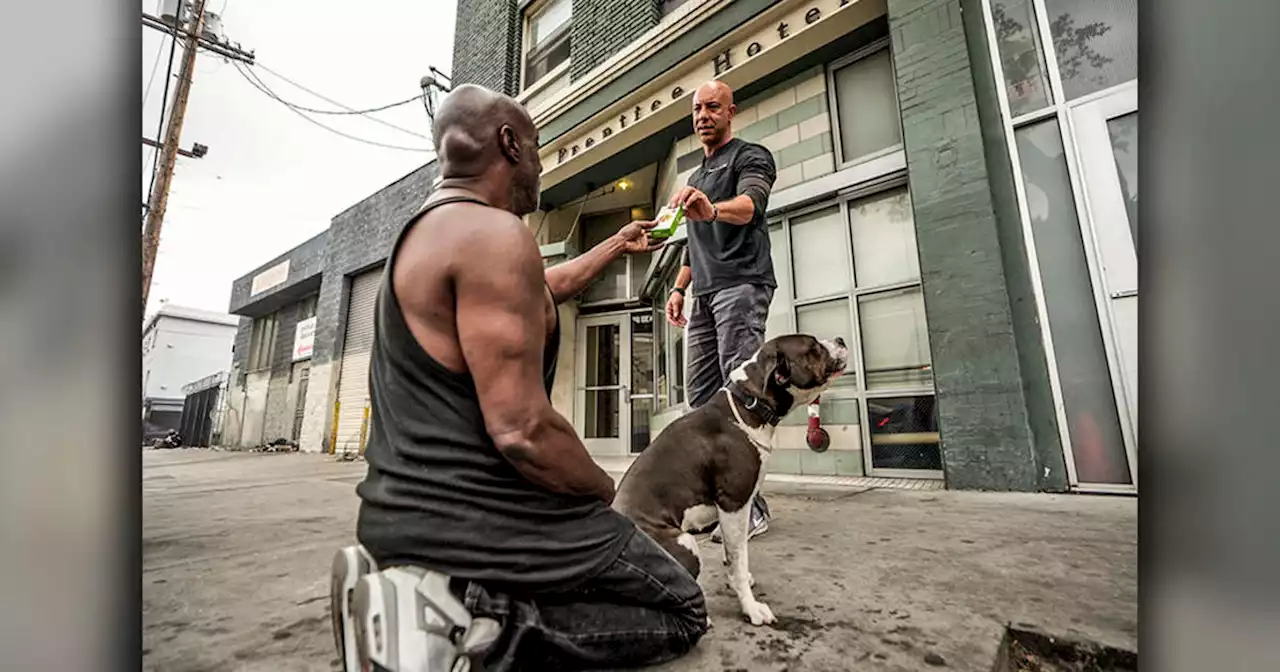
(547, 36)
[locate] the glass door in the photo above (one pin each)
(602, 408)
(1106, 134)
(640, 398)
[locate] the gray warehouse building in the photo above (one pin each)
(954, 197)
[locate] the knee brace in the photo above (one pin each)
(404, 619)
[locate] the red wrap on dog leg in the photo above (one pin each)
(816, 437)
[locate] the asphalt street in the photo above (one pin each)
(236, 551)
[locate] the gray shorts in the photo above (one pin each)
(726, 327)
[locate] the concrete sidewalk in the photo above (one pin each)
(236, 549)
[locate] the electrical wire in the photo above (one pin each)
(348, 110)
(164, 108)
(266, 91)
(380, 108)
(146, 93)
(345, 109)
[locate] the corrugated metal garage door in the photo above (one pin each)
(353, 381)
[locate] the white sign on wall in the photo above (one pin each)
(269, 278)
(304, 337)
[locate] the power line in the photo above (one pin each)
(266, 91)
(154, 66)
(380, 108)
(349, 110)
(164, 105)
(147, 92)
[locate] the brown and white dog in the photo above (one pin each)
(709, 464)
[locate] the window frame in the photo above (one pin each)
(308, 307)
(1059, 108)
(833, 103)
(858, 391)
(897, 180)
(554, 40)
(265, 330)
(634, 287)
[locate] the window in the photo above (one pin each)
(262, 342)
(865, 98)
(1087, 392)
(669, 348)
(1095, 41)
(849, 268)
(622, 280)
(307, 307)
(1095, 46)
(547, 32)
(669, 6)
(1018, 41)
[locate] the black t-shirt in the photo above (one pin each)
(725, 255)
(439, 495)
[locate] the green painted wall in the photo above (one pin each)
(986, 434)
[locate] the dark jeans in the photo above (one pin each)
(726, 327)
(643, 609)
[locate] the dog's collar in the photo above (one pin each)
(753, 404)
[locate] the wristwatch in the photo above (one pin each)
(678, 290)
(715, 212)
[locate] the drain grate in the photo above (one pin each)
(1025, 649)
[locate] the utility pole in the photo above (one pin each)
(169, 152)
(195, 37)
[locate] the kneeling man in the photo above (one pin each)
(472, 473)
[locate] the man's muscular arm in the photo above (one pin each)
(756, 174)
(502, 328)
(567, 280)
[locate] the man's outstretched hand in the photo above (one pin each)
(635, 237)
(697, 206)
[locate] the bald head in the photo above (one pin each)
(713, 112)
(714, 90)
(468, 128)
(484, 135)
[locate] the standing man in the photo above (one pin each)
(472, 473)
(727, 258)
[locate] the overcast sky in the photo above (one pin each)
(271, 179)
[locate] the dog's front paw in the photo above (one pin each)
(758, 613)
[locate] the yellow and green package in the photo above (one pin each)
(669, 220)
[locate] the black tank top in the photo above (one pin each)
(438, 494)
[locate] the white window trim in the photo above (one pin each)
(675, 24)
(870, 186)
(1058, 108)
(543, 83)
(531, 8)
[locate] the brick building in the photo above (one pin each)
(954, 198)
